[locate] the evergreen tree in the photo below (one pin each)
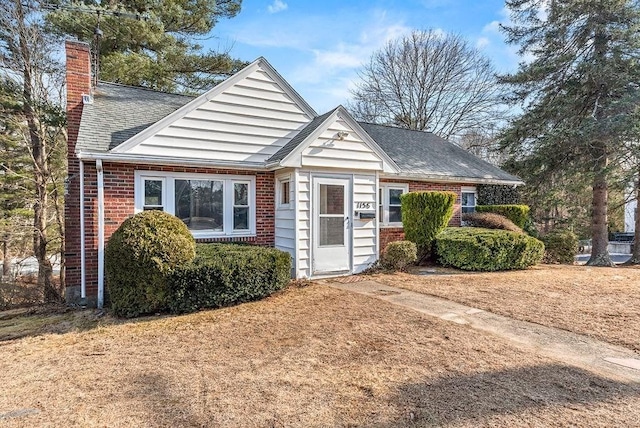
(579, 94)
(151, 44)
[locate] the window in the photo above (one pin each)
(389, 207)
(153, 194)
(468, 199)
(284, 189)
(209, 205)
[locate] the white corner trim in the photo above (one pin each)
(212, 93)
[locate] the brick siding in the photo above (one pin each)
(391, 234)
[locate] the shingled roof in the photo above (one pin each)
(426, 155)
(119, 112)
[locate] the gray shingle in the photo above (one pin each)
(119, 112)
(426, 154)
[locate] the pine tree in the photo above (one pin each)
(579, 92)
(152, 44)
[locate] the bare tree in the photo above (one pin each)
(428, 81)
(27, 57)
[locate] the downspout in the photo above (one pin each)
(83, 274)
(100, 233)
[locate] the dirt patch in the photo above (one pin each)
(600, 302)
(311, 356)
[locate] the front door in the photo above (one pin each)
(331, 231)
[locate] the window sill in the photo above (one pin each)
(391, 226)
(223, 235)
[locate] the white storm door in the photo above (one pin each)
(331, 225)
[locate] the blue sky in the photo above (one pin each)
(318, 46)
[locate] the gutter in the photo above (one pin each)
(100, 172)
(157, 160)
(83, 273)
(452, 179)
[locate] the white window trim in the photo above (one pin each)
(385, 187)
(475, 197)
(168, 194)
(279, 182)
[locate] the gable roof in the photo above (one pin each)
(259, 63)
(119, 112)
(425, 155)
(299, 138)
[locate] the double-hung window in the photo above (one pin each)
(210, 205)
(468, 199)
(389, 207)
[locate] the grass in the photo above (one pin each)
(600, 302)
(307, 357)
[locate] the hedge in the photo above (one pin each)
(516, 213)
(497, 194)
(424, 215)
(477, 249)
(228, 274)
(139, 256)
(398, 255)
(561, 246)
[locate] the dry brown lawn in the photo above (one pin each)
(599, 302)
(307, 357)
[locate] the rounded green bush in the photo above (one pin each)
(561, 246)
(140, 255)
(476, 249)
(399, 254)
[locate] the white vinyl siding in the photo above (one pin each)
(248, 122)
(365, 251)
(285, 233)
(350, 153)
(303, 193)
(226, 203)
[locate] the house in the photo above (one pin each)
(630, 209)
(248, 161)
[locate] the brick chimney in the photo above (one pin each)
(78, 84)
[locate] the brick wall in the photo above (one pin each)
(391, 234)
(120, 204)
(78, 78)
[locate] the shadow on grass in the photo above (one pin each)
(475, 398)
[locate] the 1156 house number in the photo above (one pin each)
(364, 206)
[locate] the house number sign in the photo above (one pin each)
(364, 206)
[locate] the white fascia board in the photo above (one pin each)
(451, 179)
(293, 159)
(160, 160)
(209, 95)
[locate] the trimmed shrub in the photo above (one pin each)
(228, 274)
(424, 215)
(476, 249)
(140, 254)
(490, 221)
(560, 246)
(516, 213)
(399, 254)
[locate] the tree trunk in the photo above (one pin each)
(6, 261)
(40, 170)
(599, 221)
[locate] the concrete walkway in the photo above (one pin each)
(570, 348)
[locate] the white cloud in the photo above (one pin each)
(277, 6)
(482, 42)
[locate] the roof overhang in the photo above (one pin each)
(158, 160)
(435, 178)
